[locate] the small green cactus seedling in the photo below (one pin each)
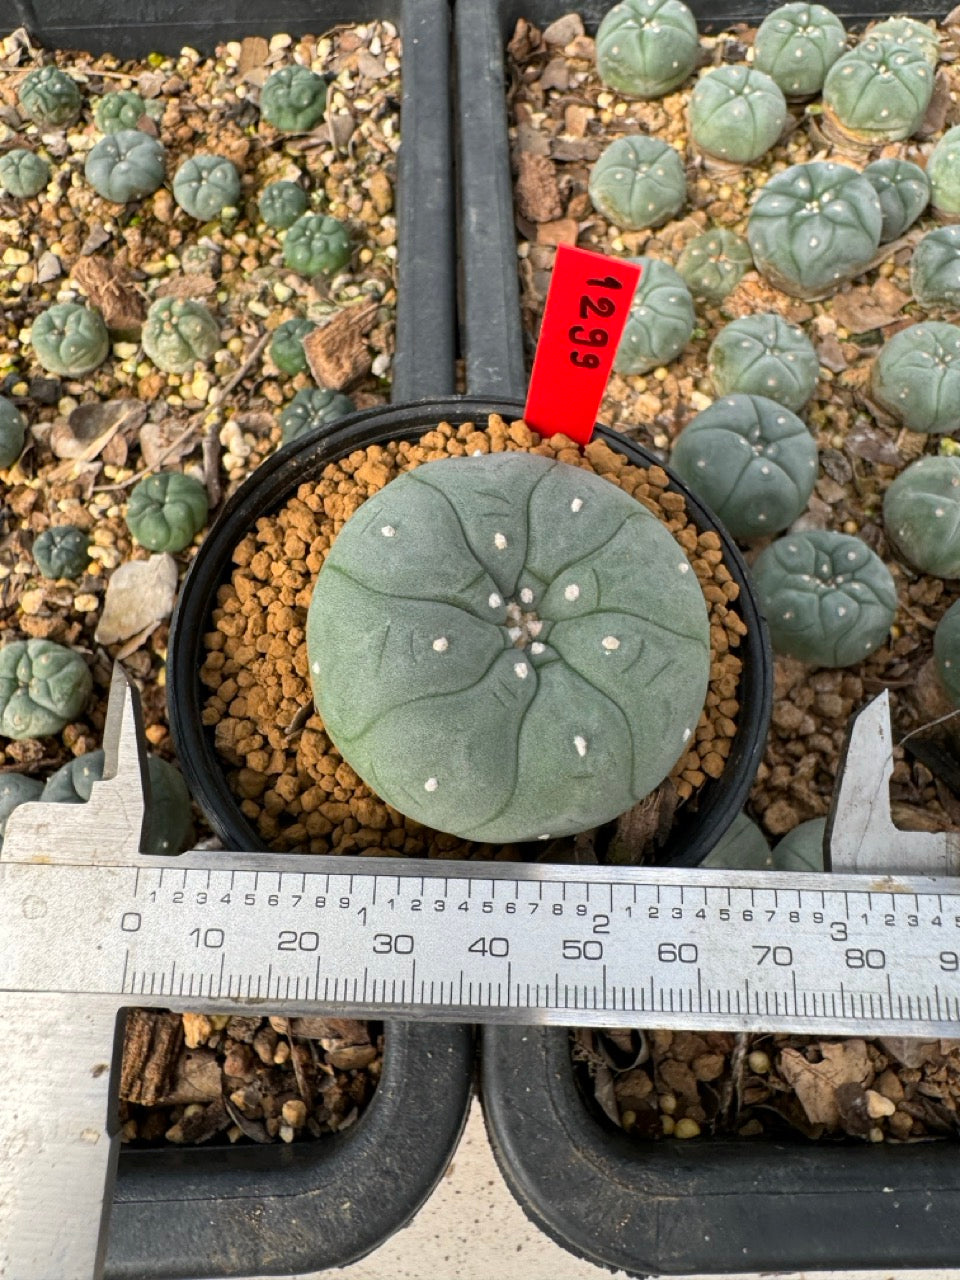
(645, 48)
(946, 652)
(802, 848)
(904, 192)
(943, 171)
(179, 332)
(908, 31)
(69, 339)
(205, 185)
(293, 99)
(813, 226)
(660, 322)
(744, 847)
(316, 244)
(50, 98)
(15, 789)
(764, 355)
(121, 110)
(712, 265)
(43, 686)
(797, 44)
(638, 182)
(61, 552)
(751, 460)
(921, 515)
(736, 113)
(916, 377)
(125, 166)
(313, 408)
(877, 93)
(828, 599)
(286, 345)
(13, 433)
(167, 511)
(935, 268)
(23, 173)
(506, 647)
(281, 204)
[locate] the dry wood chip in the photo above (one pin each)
(336, 352)
(816, 1083)
(197, 1078)
(538, 196)
(91, 426)
(140, 593)
(254, 51)
(191, 285)
(111, 290)
(151, 1046)
(868, 307)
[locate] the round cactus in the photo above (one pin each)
(660, 322)
(645, 48)
(796, 45)
(751, 460)
(916, 377)
(921, 515)
(23, 173)
(50, 98)
(946, 652)
(205, 185)
(943, 171)
(179, 332)
(904, 192)
(293, 99)
(126, 165)
(43, 686)
(69, 339)
(814, 226)
(121, 110)
(286, 345)
(736, 113)
(498, 565)
(764, 355)
(313, 408)
(743, 847)
(935, 268)
(828, 599)
(878, 92)
(61, 552)
(281, 204)
(712, 265)
(167, 511)
(638, 182)
(316, 244)
(908, 31)
(13, 433)
(15, 789)
(802, 848)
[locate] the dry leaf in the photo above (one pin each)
(816, 1083)
(337, 353)
(868, 307)
(89, 428)
(111, 290)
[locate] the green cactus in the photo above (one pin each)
(916, 377)
(316, 244)
(744, 847)
(167, 511)
(764, 355)
(736, 114)
(23, 173)
(205, 185)
(638, 182)
(61, 552)
(908, 31)
(921, 515)
(178, 333)
(796, 45)
(877, 93)
(935, 268)
(43, 686)
(828, 599)
(125, 166)
(69, 339)
(50, 98)
(15, 789)
(13, 433)
(802, 848)
(814, 226)
(293, 99)
(660, 322)
(946, 652)
(121, 110)
(752, 462)
(943, 172)
(313, 408)
(281, 204)
(904, 192)
(465, 667)
(286, 345)
(646, 48)
(712, 265)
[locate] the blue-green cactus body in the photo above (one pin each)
(878, 92)
(744, 847)
(167, 511)
(23, 173)
(916, 377)
(935, 268)
(204, 185)
(507, 647)
(15, 790)
(828, 599)
(660, 322)
(909, 32)
(293, 99)
(638, 182)
(646, 48)
(13, 433)
(946, 652)
(61, 552)
(802, 848)
(123, 109)
(796, 45)
(316, 244)
(921, 515)
(313, 408)
(943, 171)
(69, 339)
(50, 98)
(814, 226)
(752, 461)
(125, 166)
(736, 113)
(281, 204)
(178, 333)
(764, 355)
(43, 686)
(286, 345)
(712, 265)
(904, 192)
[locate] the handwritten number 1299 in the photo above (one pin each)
(589, 307)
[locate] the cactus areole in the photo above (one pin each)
(508, 648)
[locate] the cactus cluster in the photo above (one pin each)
(935, 268)
(43, 686)
(764, 355)
(286, 345)
(796, 45)
(646, 48)
(62, 551)
(736, 113)
(204, 185)
(13, 433)
(742, 847)
(802, 848)
(23, 173)
(50, 98)
(293, 99)
(167, 511)
(125, 166)
(15, 789)
(123, 109)
(316, 244)
(281, 204)
(943, 172)
(921, 515)
(70, 339)
(946, 652)
(916, 377)
(660, 322)
(178, 333)
(877, 93)
(904, 192)
(310, 409)
(638, 182)
(713, 264)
